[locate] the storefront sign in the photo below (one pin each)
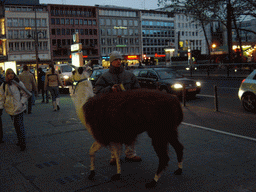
(156, 55)
(76, 47)
(121, 45)
(120, 27)
(132, 57)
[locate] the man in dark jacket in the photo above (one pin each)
(116, 75)
(114, 80)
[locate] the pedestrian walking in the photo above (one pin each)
(41, 79)
(1, 112)
(114, 80)
(52, 82)
(13, 97)
(28, 80)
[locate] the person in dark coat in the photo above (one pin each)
(41, 79)
(114, 80)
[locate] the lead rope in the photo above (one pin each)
(78, 83)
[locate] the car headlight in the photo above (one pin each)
(198, 84)
(66, 77)
(177, 86)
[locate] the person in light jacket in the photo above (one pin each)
(52, 82)
(28, 80)
(14, 99)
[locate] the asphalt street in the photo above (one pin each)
(57, 158)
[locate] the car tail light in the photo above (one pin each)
(243, 80)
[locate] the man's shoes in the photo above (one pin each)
(133, 159)
(42, 101)
(47, 101)
(58, 107)
(29, 112)
(112, 161)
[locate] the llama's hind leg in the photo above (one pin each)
(178, 147)
(116, 149)
(94, 148)
(161, 149)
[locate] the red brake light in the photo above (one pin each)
(243, 80)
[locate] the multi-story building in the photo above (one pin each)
(65, 20)
(120, 31)
(188, 32)
(20, 31)
(245, 35)
(158, 36)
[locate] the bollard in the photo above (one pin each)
(216, 98)
(184, 95)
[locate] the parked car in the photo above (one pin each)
(247, 92)
(96, 74)
(167, 80)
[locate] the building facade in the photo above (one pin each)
(245, 35)
(20, 24)
(158, 36)
(188, 32)
(65, 20)
(120, 30)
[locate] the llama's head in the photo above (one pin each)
(81, 81)
(79, 74)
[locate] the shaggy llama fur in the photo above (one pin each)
(118, 118)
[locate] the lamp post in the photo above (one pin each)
(36, 45)
(229, 33)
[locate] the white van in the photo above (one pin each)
(65, 72)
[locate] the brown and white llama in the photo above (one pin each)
(118, 118)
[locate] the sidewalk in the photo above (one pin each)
(57, 159)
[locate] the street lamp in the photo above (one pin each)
(36, 45)
(213, 47)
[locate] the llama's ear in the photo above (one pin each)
(73, 66)
(80, 70)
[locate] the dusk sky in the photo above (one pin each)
(139, 4)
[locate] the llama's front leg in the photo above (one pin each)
(94, 148)
(116, 149)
